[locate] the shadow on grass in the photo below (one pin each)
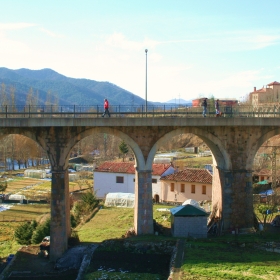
(131, 259)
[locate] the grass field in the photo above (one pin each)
(24, 212)
(13, 216)
(227, 257)
(36, 188)
(192, 161)
(113, 222)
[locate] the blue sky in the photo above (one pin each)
(195, 48)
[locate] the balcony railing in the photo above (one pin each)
(121, 111)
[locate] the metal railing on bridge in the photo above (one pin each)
(121, 111)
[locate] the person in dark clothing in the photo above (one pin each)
(217, 107)
(204, 105)
(106, 108)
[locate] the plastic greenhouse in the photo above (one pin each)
(34, 173)
(120, 200)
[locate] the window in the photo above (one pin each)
(203, 189)
(182, 187)
(154, 181)
(133, 179)
(193, 189)
(119, 179)
(172, 187)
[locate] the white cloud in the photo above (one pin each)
(50, 33)
(243, 40)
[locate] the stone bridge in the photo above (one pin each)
(233, 142)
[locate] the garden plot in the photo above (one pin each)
(4, 207)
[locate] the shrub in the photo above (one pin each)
(90, 200)
(88, 203)
(41, 231)
(74, 239)
(73, 221)
(24, 232)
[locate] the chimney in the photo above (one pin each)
(254, 88)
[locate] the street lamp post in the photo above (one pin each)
(146, 51)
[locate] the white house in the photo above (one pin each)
(120, 177)
(190, 183)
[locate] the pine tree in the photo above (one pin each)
(41, 231)
(123, 148)
(23, 232)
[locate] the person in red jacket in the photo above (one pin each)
(106, 108)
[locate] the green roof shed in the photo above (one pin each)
(189, 220)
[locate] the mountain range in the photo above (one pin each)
(48, 83)
(68, 91)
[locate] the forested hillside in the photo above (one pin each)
(48, 84)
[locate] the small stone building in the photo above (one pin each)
(189, 220)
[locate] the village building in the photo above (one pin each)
(269, 94)
(120, 177)
(265, 177)
(190, 183)
(222, 101)
(262, 175)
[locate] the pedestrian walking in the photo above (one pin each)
(204, 105)
(106, 108)
(217, 107)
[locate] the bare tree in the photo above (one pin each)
(30, 98)
(13, 98)
(3, 96)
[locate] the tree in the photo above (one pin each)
(24, 232)
(30, 97)
(85, 206)
(266, 211)
(3, 95)
(89, 199)
(123, 149)
(3, 186)
(13, 98)
(41, 231)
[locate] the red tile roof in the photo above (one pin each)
(128, 167)
(264, 172)
(116, 167)
(274, 83)
(261, 90)
(190, 175)
(160, 168)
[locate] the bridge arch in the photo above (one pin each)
(140, 161)
(259, 142)
(143, 209)
(20, 131)
(221, 162)
(220, 154)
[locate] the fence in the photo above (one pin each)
(121, 111)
